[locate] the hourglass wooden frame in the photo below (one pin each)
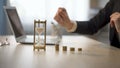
(36, 24)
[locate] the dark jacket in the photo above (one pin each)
(100, 20)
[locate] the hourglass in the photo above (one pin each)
(39, 35)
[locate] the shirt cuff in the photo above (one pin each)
(74, 27)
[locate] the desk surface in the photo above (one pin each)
(94, 55)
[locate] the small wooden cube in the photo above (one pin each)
(79, 49)
(64, 48)
(57, 47)
(72, 49)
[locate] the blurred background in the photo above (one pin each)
(28, 10)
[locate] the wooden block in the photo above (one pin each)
(64, 48)
(57, 47)
(72, 49)
(39, 48)
(79, 49)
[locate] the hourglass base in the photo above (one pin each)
(39, 47)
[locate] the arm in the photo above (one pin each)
(86, 27)
(97, 22)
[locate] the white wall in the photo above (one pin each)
(46, 9)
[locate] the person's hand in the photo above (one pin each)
(63, 19)
(115, 21)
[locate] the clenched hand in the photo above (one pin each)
(115, 21)
(63, 19)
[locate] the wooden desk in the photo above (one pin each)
(94, 55)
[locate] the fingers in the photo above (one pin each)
(58, 18)
(112, 22)
(114, 14)
(115, 17)
(64, 15)
(61, 17)
(58, 14)
(62, 12)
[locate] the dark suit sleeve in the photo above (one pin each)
(97, 22)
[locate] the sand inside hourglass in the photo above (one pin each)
(39, 31)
